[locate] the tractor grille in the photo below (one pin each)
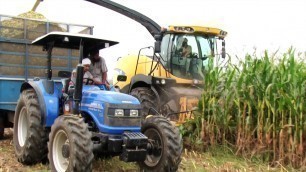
(122, 121)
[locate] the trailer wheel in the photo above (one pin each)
(164, 152)
(1, 127)
(70, 146)
(30, 138)
(147, 99)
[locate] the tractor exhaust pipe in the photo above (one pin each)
(77, 95)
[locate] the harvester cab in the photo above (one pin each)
(171, 79)
(98, 122)
(186, 50)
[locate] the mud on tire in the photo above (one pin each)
(147, 99)
(166, 156)
(30, 137)
(70, 146)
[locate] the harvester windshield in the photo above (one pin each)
(186, 55)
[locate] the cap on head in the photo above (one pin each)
(185, 40)
(86, 61)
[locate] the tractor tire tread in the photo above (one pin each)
(35, 147)
(147, 99)
(173, 144)
(81, 138)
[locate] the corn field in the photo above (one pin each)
(258, 107)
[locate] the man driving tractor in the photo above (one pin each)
(98, 68)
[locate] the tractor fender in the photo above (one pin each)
(140, 80)
(48, 98)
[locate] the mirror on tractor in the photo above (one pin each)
(157, 45)
(121, 78)
(64, 74)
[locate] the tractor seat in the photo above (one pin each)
(65, 83)
(68, 87)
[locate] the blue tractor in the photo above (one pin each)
(70, 126)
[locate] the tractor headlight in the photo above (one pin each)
(119, 112)
(133, 113)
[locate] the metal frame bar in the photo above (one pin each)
(39, 20)
(26, 55)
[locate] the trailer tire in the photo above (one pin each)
(147, 98)
(70, 146)
(1, 127)
(30, 138)
(166, 145)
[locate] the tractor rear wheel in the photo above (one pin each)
(147, 98)
(166, 145)
(30, 138)
(70, 146)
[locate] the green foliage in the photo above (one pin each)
(257, 106)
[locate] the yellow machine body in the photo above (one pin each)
(167, 74)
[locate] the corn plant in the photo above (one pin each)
(258, 107)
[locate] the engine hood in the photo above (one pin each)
(93, 93)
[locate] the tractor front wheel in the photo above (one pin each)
(70, 146)
(164, 152)
(30, 138)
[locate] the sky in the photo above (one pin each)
(251, 24)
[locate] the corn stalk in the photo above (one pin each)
(257, 106)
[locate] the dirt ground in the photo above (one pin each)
(191, 162)
(9, 163)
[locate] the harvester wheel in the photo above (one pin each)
(164, 152)
(147, 99)
(1, 127)
(30, 138)
(70, 146)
